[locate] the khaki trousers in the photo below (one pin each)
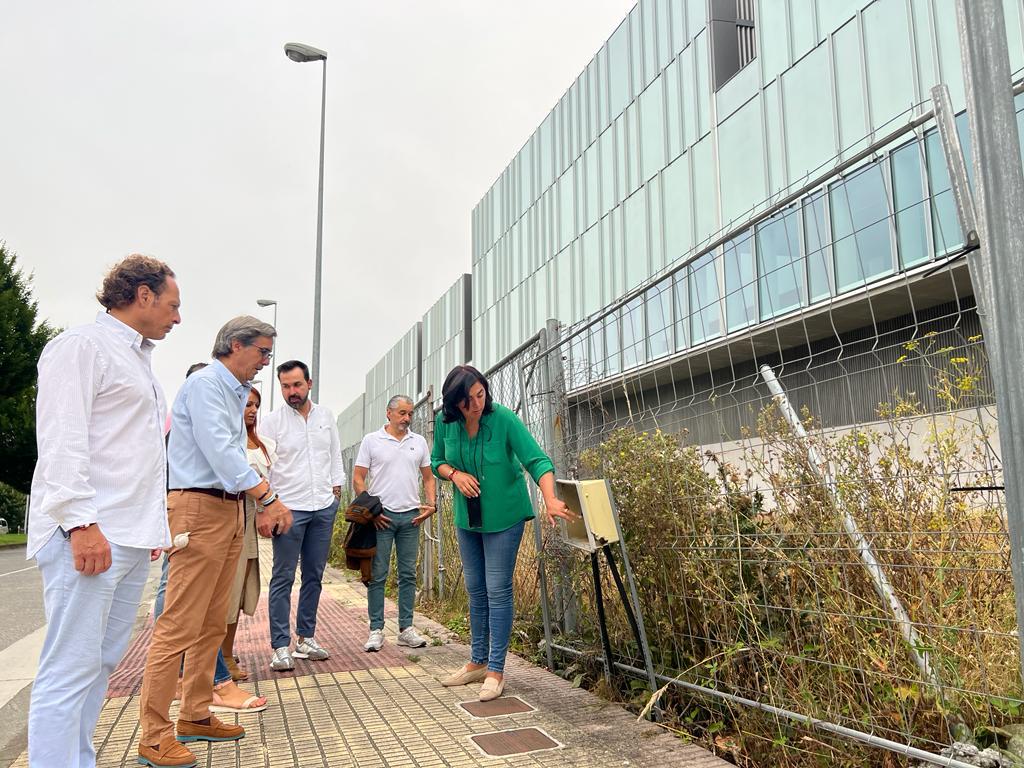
(198, 586)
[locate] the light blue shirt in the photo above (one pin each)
(206, 448)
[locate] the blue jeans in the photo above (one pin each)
(220, 670)
(308, 538)
(406, 540)
(488, 561)
(89, 623)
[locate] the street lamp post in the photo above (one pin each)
(270, 303)
(302, 53)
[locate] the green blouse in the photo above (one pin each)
(496, 457)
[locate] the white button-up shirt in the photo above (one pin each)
(394, 467)
(99, 430)
(308, 462)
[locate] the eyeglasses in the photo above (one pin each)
(266, 352)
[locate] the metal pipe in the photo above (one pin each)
(318, 281)
(878, 577)
(822, 725)
(999, 190)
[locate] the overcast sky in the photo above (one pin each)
(181, 130)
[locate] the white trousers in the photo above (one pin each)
(89, 624)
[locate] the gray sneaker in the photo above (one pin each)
(282, 660)
(376, 640)
(308, 648)
(410, 637)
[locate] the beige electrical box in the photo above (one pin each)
(592, 501)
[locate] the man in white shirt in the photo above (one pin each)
(395, 458)
(98, 514)
(308, 475)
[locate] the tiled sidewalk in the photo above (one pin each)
(388, 709)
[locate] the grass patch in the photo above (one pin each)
(13, 538)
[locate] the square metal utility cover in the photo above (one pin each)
(517, 741)
(506, 705)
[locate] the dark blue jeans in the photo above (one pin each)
(488, 561)
(308, 538)
(220, 670)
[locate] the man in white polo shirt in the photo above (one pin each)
(395, 458)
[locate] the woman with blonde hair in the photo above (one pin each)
(245, 593)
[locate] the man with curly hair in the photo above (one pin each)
(98, 514)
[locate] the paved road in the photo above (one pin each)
(21, 596)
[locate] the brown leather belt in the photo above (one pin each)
(215, 492)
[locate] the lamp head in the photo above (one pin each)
(302, 53)
(266, 302)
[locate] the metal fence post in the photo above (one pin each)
(999, 190)
(552, 384)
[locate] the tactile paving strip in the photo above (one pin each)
(341, 629)
(517, 741)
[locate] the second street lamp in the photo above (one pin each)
(270, 303)
(302, 53)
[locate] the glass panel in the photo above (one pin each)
(650, 59)
(704, 203)
(945, 225)
(591, 270)
(657, 240)
(673, 124)
(618, 68)
(659, 320)
(633, 334)
(706, 317)
(544, 147)
(678, 229)
(632, 133)
(563, 299)
(663, 22)
(779, 264)
(592, 185)
(636, 255)
(741, 161)
(566, 209)
(801, 19)
(611, 343)
(816, 243)
(597, 361)
(652, 129)
(808, 119)
(680, 302)
(703, 83)
(689, 96)
(740, 309)
(860, 227)
(853, 117)
(890, 71)
(606, 146)
(636, 50)
(910, 199)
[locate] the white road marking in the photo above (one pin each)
(20, 570)
(18, 664)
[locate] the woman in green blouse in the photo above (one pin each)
(483, 447)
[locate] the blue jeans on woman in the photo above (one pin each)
(488, 562)
(220, 670)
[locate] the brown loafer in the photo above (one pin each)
(215, 731)
(168, 754)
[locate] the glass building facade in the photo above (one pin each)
(673, 134)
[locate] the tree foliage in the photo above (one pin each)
(22, 338)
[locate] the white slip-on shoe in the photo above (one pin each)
(282, 661)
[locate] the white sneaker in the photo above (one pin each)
(281, 661)
(410, 637)
(308, 648)
(376, 640)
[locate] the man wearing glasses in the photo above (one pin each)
(309, 476)
(208, 475)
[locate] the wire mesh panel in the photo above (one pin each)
(836, 549)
